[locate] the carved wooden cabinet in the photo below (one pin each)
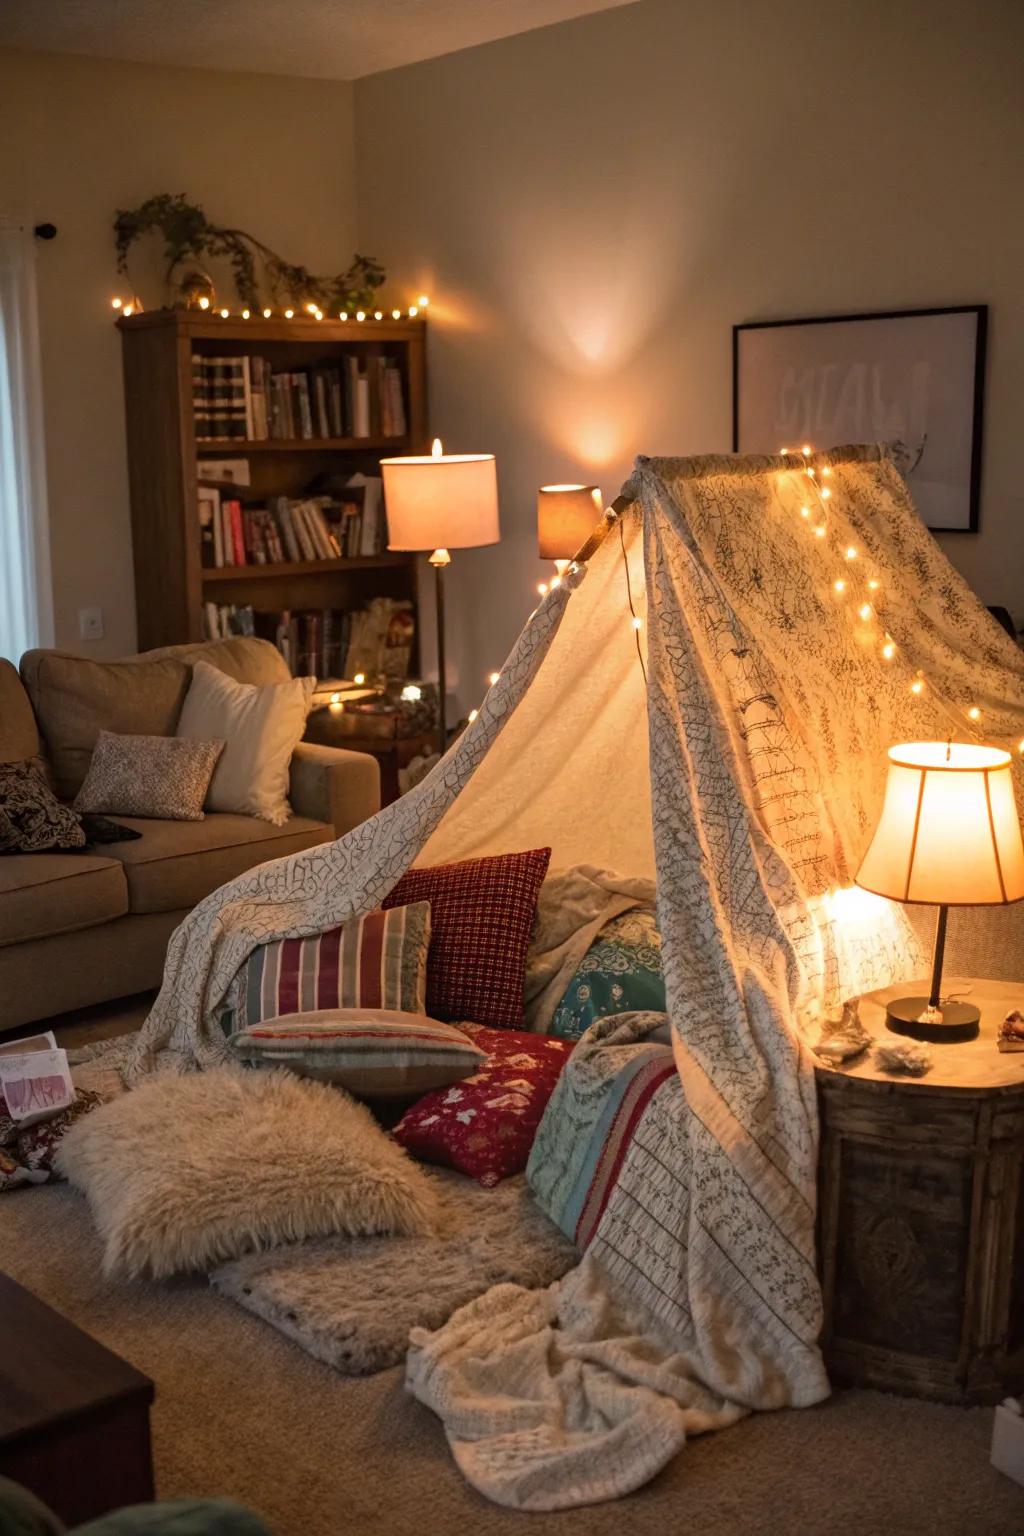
(921, 1216)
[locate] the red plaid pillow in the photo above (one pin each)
(481, 915)
(485, 1125)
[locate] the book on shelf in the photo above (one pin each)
(245, 399)
(342, 526)
(326, 642)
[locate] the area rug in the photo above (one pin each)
(352, 1302)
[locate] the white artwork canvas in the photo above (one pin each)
(914, 379)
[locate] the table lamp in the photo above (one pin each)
(949, 835)
(566, 517)
(441, 502)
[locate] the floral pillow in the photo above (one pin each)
(620, 973)
(485, 1125)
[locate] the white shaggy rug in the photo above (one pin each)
(352, 1302)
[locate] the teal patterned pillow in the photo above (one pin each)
(621, 972)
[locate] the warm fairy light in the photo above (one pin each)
(805, 511)
(115, 303)
(224, 314)
(888, 650)
(1020, 746)
(851, 553)
(360, 314)
(974, 713)
(359, 679)
(335, 698)
(874, 584)
(343, 314)
(396, 314)
(422, 301)
(311, 307)
(865, 610)
(840, 585)
(819, 532)
(811, 473)
(917, 686)
(289, 313)
(412, 693)
(825, 470)
(542, 588)
(825, 493)
(266, 314)
(493, 678)
(245, 314)
(638, 623)
(378, 314)
(472, 715)
(204, 302)
(413, 311)
(129, 309)
(318, 314)
(556, 581)
(806, 450)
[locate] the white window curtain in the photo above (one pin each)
(26, 599)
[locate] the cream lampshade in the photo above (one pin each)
(566, 516)
(439, 502)
(949, 835)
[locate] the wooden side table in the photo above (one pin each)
(74, 1417)
(921, 1214)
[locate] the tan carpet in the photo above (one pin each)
(242, 1411)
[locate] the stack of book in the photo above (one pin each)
(325, 642)
(287, 529)
(244, 399)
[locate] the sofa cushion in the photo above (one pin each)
(177, 863)
(74, 699)
(19, 739)
(245, 658)
(46, 893)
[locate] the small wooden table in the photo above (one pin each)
(74, 1417)
(921, 1213)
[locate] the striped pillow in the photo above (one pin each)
(375, 1054)
(376, 961)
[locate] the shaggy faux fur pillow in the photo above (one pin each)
(185, 1172)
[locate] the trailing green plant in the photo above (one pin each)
(260, 274)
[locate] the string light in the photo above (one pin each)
(1020, 746)
(472, 715)
(311, 307)
(266, 314)
(825, 493)
(245, 314)
(128, 309)
(917, 686)
(343, 314)
(556, 581)
(493, 678)
(116, 303)
(851, 553)
(360, 314)
(422, 301)
(637, 622)
(888, 650)
(289, 313)
(865, 610)
(359, 679)
(806, 450)
(839, 585)
(204, 302)
(819, 532)
(396, 314)
(974, 713)
(805, 511)
(378, 314)
(224, 314)
(542, 588)
(413, 311)
(874, 584)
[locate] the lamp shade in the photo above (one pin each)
(949, 833)
(566, 515)
(441, 500)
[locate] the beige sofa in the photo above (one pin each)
(82, 928)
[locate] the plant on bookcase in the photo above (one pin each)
(189, 236)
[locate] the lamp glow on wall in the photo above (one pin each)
(440, 502)
(949, 835)
(566, 517)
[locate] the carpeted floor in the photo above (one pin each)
(243, 1412)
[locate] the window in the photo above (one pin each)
(26, 604)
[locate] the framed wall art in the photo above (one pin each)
(913, 378)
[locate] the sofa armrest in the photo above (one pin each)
(330, 784)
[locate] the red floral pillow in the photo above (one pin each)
(485, 1125)
(481, 916)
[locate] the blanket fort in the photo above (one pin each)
(795, 626)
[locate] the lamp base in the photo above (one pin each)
(959, 1020)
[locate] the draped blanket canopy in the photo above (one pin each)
(744, 772)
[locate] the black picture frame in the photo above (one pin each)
(973, 389)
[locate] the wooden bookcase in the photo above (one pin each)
(171, 583)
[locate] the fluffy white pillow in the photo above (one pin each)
(260, 726)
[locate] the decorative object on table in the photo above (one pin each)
(1010, 1036)
(481, 917)
(189, 235)
(32, 819)
(903, 1056)
(373, 1053)
(845, 1037)
(485, 1125)
(378, 960)
(949, 835)
(440, 502)
(258, 726)
(268, 1158)
(165, 777)
(566, 517)
(913, 378)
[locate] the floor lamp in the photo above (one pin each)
(566, 517)
(440, 502)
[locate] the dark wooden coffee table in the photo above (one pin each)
(74, 1417)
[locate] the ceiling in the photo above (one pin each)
(329, 39)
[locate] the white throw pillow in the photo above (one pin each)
(260, 726)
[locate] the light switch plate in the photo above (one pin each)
(90, 623)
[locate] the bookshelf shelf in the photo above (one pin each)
(269, 572)
(206, 446)
(165, 464)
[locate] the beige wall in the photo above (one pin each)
(594, 205)
(80, 138)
